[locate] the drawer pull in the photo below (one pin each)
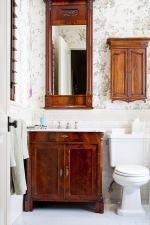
(64, 136)
(67, 171)
(60, 172)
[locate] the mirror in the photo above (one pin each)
(69, 54)
(73, 89)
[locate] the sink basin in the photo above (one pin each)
(85, 129)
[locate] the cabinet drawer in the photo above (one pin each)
(62, 136)
(75, 137)
(42, 136)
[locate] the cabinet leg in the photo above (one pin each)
(28, 205)
(99, 207)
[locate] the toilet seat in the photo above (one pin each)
(131, 170)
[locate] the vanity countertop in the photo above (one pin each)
(66, 130)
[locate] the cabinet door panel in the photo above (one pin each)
(47, 167)
(119, 73)
(137, 73)
(81, 163)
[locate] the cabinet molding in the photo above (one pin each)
(128, 80)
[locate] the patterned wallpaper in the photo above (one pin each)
(112, 18)
(115, 19)
(25, 59)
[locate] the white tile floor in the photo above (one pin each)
(78, 214)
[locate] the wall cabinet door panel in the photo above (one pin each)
(119, 75)
(137, 72)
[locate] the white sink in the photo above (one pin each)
(69, 130)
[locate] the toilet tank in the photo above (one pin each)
(125, 149)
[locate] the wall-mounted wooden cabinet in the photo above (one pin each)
(66, 167)
(128, 68)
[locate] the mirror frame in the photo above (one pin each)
(69, 12)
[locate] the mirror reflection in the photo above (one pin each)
(69, 60)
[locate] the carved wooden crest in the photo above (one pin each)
(69, 12)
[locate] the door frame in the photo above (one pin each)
(5, 37)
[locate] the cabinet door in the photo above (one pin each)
(137, 73)
(47, 171)
(119, 70)
(81, 172)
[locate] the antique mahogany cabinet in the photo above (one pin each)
(128, 68)
(64, 167)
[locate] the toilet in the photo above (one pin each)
(128, 153)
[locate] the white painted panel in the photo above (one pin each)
(64, 68)
(1, 108)
(4, 111)
(3, 123)
(2, 188)
(1, 140)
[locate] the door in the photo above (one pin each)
(4, 110)
(119, 69)
(64, 68)
(47, 171)
(137, 73)
(81, 172)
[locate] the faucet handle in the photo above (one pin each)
(76, 127)
(67, 126)
(59, 127)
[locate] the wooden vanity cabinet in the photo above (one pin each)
(128, 68)
(64, 167)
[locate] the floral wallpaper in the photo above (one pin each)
(25, 59)
(73, 35)
(113, 18)
(116, 19)
(32, 53)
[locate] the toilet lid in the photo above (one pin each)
(131, 170)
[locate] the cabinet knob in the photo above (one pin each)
(64, 136)
(67, 171)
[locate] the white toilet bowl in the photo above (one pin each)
(131, 178)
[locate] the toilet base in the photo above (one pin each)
(131, 203)
(125, 212)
